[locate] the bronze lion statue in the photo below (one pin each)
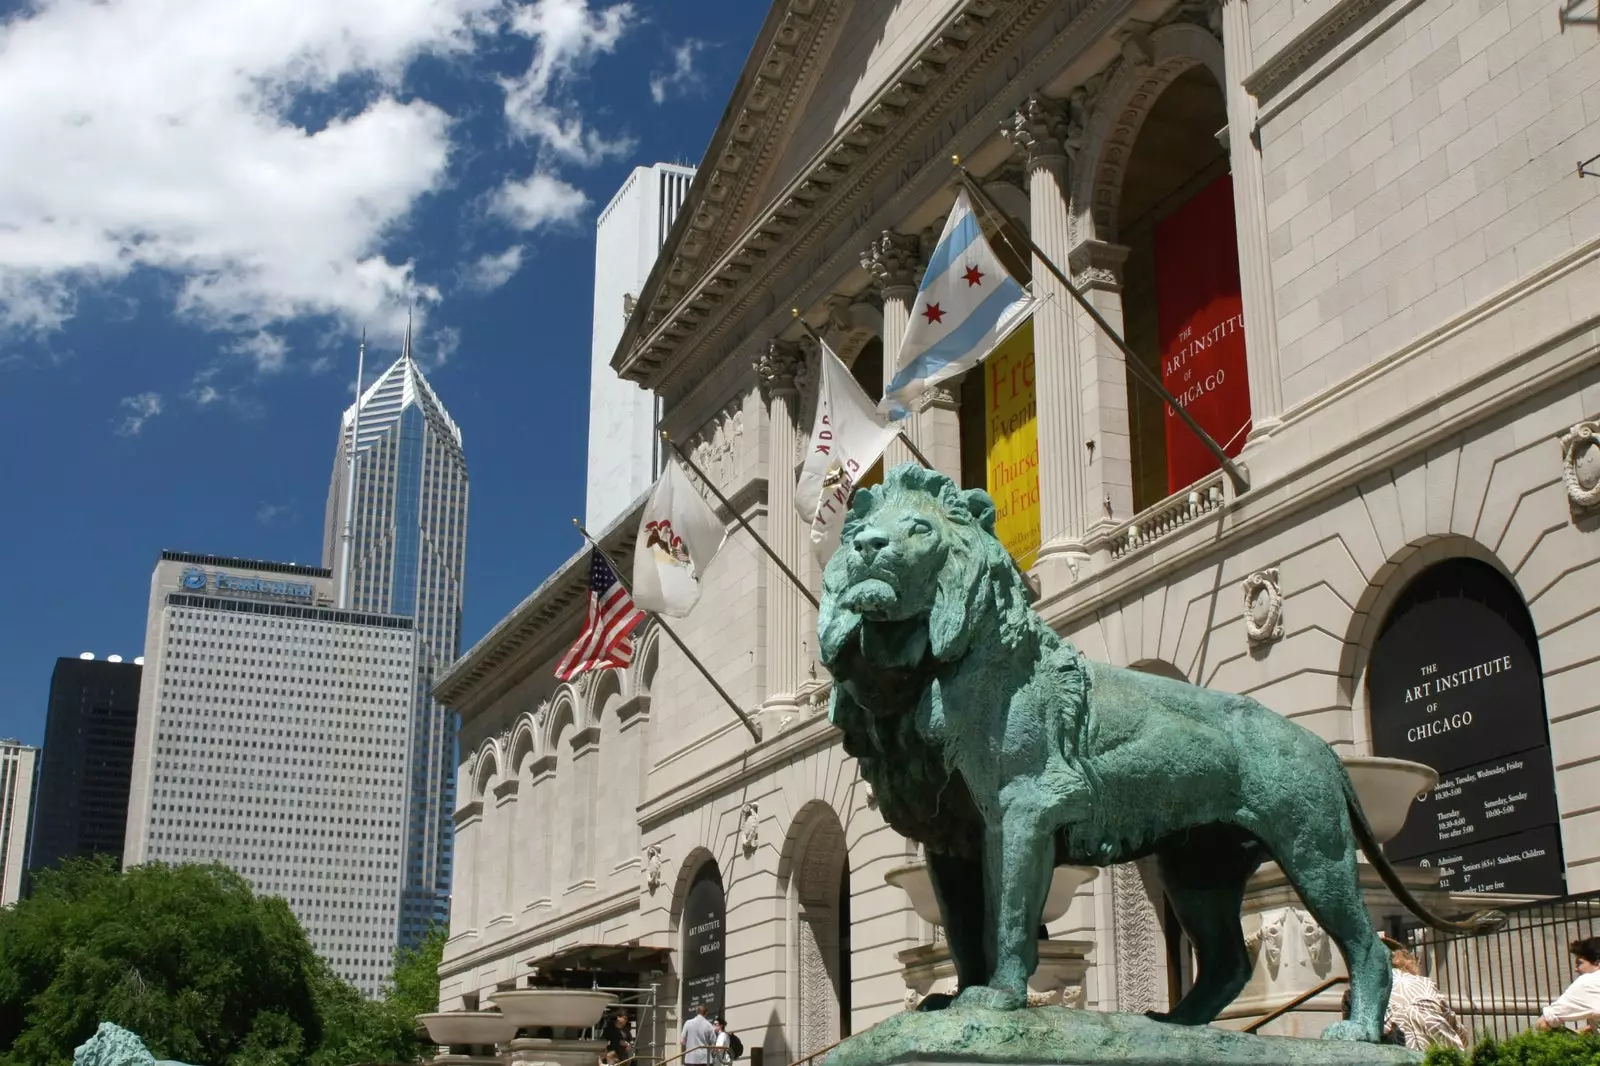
(1006, 752)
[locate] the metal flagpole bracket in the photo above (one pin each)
(749, 723)
(739, 518)
(1135, 365)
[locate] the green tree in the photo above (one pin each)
(368, 1031)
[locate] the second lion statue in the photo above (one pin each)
(1006, 752)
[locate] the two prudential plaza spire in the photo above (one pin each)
(395, 537)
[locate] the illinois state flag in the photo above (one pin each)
(967, 305)
(679, 535)
(848, 436)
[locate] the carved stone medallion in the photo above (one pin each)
(1580, 464)
(1263, 607)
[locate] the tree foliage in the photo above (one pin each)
(196, 964)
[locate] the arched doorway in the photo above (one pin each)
(1181, 304)
(705, 919)
(820, 882)
(1455, 682)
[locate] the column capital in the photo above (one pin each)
(945, 396)
(1040, 128)
(777, 367)
(895, 262)
(1098, 264)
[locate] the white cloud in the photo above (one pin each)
(267, 513)
(141, 408)
(567, 36)
(267, 350)
(537, 200)
(494, 270)
(156, 135)
(682, 76)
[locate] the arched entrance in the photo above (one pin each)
(1181, 304)
(820, 893)
(1455, 682)
(705, 919)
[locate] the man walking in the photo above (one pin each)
(699, 1035)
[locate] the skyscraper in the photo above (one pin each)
(407, 529)
(88, 753)
(17, 764)
(624, 448)
(273, 732)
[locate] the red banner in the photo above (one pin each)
(1200, 319)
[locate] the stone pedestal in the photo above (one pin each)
(537, 1051)
(1293, 954)
(1058, 980)
(466, 1057)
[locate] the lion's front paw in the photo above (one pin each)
(1349, 1031)
(983, 997)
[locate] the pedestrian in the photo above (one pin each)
(1416, 1006)
(619, 1036)
(1581, 1001)
(699, 1035)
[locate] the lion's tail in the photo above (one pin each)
(1481, 922)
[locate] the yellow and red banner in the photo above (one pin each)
(1011, 439)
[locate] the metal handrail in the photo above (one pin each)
(814, 1054)
(1274, 1015)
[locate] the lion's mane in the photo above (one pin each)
(980, 620)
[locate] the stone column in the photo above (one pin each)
(1096, 268)
(895, 262)
(938, 424)
(1039, 129)
(776, 369)
(1250, 218)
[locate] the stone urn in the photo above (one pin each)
(468, 1028)
(1386, 789)
(913, 880)
(553, 1008)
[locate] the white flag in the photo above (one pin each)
(966, 306)
(849, 435)
(679, 535)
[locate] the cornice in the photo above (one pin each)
(593, 913)
(839, 176)
(1311, 44)
(731, 775)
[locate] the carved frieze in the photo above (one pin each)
(1580, 464)
(1263, 607)
(1038, 129)
(715, 449)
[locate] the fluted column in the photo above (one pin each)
(895, 262)
(1039, 129)
(776, 369)
(1250, 216)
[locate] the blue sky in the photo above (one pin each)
(215, 199)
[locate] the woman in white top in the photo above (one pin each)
(1581, 1001)
(720, 1056)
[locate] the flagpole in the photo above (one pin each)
(1135, 365)
(790, 574)
(662, 622)
(916, 453)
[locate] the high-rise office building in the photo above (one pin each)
(17, 765)
(624, 446)
(82, 808)
(406, 546)
(272, 738)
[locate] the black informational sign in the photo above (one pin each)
(705, 915)
(1454, 685)
(1506, 795)
(1527, 863)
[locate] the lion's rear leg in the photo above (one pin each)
(1204, 878)
(1320, 861)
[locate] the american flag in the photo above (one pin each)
(607, 638)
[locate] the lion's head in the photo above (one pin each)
(918, 571)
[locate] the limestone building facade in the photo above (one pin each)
(1395, 336)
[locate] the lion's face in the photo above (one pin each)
(892, 561)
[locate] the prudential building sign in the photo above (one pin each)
(196, 580)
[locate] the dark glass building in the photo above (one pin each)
(82, 802)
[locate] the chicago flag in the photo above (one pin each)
(968, 303)
(679, 535)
